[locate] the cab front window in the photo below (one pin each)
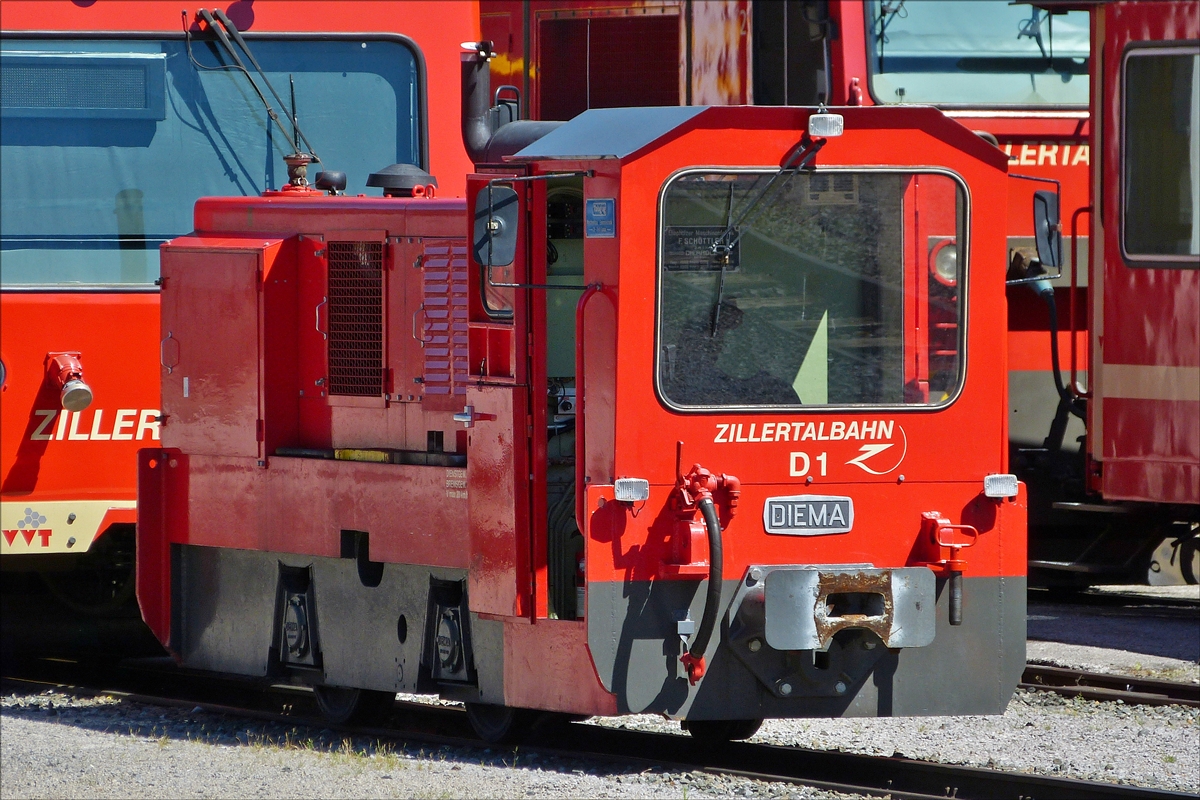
(843, 288)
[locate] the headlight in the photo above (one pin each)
(943, 262)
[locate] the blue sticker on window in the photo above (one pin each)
(600, 218)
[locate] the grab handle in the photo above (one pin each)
(162, 352)
(419, 312)
(1074, 281)
(317, 324)
(580, 398)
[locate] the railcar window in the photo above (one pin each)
(1161, 150)
(844, 288)
(107, 143)
(973, 53)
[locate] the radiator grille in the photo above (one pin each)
(356, 318)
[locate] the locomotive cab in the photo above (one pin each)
(693, 411)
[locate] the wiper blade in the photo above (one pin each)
(801, 157)
(716, 315)
(803, 154)
(236, 35)
(297, 162)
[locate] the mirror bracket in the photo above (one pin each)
(492, 227)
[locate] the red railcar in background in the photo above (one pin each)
(1143, 444)
(113, 123)
(1016, 74)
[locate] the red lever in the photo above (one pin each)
(943, 532)
(694, 666)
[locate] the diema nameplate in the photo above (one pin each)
(808, 515)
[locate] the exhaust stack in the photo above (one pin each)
(485, 140)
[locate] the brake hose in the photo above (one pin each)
(1046, 292)
(712, 601)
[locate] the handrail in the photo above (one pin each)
(580, 488)
(1074, 282)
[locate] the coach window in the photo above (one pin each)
(1161, 157)
(106, 142)
(973, 53)
(835, 292)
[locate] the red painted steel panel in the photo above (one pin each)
(414, 514)
(210, 346)
(547, 665)
(47, 455)
(1152, 450)
(153, 545)
(497, 486)
(886, 533)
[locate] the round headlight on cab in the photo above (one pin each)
(943, 262)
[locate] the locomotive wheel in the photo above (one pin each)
(103, 582)
(1189, 556)
(342, 705)
(719, 731)
(500, 724)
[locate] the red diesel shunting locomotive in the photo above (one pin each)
(669, 416)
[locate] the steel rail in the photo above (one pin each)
(1102, 686)
(445, 726)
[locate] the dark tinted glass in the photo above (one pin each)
(108, 167)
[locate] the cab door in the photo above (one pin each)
(498, 402)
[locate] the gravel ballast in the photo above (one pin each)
(1040, 733)
(56, 745)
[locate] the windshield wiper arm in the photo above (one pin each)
(237, 37)
(716, 315)
(297, 162)
(803, 154)
(801, 157)
(224, 39)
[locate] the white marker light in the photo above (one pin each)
(826, 125)
(631, 490)
(1000, 485)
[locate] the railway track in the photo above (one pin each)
(446, 726)
(1117, 604)
(1101, 686)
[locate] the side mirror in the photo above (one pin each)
(1047, 231)
(495, 232)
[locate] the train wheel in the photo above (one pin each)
(342, 705)
(500, 724)
(719, 731)
(1189, 559)
(103, 581)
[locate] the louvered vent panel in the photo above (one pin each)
(445, 266)
(356, 318)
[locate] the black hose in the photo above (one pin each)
(1067, 398)
(712, 603)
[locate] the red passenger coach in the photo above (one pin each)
(671, 415)
(116, 117)
(1143, 439)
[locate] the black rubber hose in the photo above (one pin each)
(1075, 407)
(712, 603)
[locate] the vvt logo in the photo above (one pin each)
(28, 528)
